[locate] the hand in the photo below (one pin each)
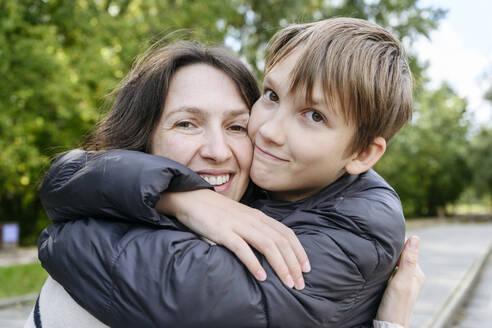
(236, 226)
(404, 288)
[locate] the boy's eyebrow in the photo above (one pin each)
(314, 101)
(269, 80)
(317, 101)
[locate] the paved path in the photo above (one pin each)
(15, 316)
(447, 253)
(477, 312)
(17, 256)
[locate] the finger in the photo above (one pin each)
(244, 253)
(273, 246)
(410, 254)
(290, 258)
(265, 245)
(286, 242)
(280, 238)
(296, 245)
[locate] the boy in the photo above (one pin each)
(335, 91)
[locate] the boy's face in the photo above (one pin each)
(299, 148)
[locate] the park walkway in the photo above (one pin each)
(477, 311)
(14, 311)
(449, 257)
(15, 315)
(449, 253)
(18, 256)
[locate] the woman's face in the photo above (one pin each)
(204, 126)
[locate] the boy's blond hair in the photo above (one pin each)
(362, 68)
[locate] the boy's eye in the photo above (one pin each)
(314, 116)
(271, 95)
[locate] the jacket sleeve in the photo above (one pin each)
(130, 275)
(351, 260)
(119, 184)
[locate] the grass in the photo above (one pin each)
(21, 279)
(472, 208)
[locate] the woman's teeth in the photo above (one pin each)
(216, 180)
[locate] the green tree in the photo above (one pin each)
(426, 163)
(481, 155)
(481, 161)
(488, 94)
(34, 111)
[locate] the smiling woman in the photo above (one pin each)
(206, 131)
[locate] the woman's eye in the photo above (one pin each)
(184, 124)
(314, 116)
(238, 128)
(270, 95)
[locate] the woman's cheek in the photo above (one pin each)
(178, 147)
(243, 150)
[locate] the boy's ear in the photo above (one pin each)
(363, 161)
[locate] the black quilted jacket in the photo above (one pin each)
(132, 267)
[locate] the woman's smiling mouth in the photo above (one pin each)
(215, 180)
(221, 180)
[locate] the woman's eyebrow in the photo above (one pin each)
(187, 109)
(202, 113)
(236, 112)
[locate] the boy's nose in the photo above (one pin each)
(273, 130)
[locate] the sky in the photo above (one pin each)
(460, 52)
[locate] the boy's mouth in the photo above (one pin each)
(268, 155)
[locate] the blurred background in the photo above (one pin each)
(60, 58)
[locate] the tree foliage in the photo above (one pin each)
(480, 158)
(427, 162)
(481, 161)
(59, 58)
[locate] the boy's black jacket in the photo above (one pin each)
(132, 267)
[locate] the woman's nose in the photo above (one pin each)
(216, 147)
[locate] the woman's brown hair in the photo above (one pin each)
(141, 95)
